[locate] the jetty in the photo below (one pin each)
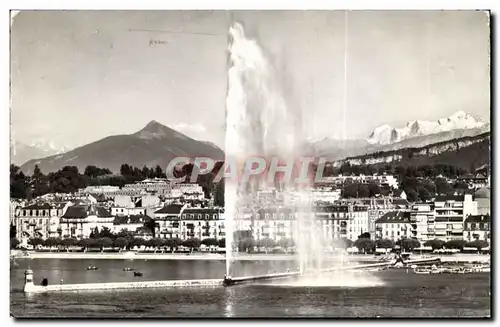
(30, 287)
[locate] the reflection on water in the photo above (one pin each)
(402, 295)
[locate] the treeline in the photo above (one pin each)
(122, 240)
(69, 179)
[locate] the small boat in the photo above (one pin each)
(421, 271)
(137, 274)
(92, 268)
(128, 269)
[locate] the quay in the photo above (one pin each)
(30, 287)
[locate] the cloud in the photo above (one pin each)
(190, 128)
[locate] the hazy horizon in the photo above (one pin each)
(79, 76)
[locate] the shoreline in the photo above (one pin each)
(222, 257)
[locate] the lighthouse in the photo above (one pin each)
(28, 280)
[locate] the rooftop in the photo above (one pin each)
(478, 219)
(397, 217)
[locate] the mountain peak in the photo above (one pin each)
(155, 130)
(460, 120)
(153, 125)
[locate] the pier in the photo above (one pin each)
(30, 287)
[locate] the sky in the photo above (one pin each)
(79, 76)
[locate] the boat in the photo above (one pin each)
(128, 269)
(137, 274)
(92, 268)
(421, 271)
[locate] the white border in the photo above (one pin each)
(193, 4)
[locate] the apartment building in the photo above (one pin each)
(80, 220)
(450, 214)
(422, 222)
(39, 220)
(477, 227)
(131, 223)
(168, 221)
(394, 225)
(202, 223)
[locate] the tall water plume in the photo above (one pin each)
(258, 122)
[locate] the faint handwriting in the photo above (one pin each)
(157, 42)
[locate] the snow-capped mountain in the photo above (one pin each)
(460, 120)
(50, 146)
(22, 152)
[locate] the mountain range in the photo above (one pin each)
(153, 145)
(413, 135)
(21, 152)
(157, 144)
(460, 120)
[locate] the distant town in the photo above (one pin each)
(361, 210)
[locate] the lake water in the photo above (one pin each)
(396, 294)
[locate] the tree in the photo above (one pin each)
(363, 191)
(222, 243)
(267, 243)
(219, 193)
(365, 235)
(408, 244)
(478, 244)
(374, 189)
(350, 190)
(286, 243)
(136, 241)
(39, 183)
(192, 243)
(67, 242)
(105, 232)
(151, 224)
(442, 186)
(210, 242)
(120, 242)
(14, 242)
(18, 183)
(36, 241)
(159, 172)
(52, 241)
(384, 244)
(12, 231)
(435, 244)
(245, 244)
(364, 244)
(455, 244)
(105, 242)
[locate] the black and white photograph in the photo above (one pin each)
(250, 163)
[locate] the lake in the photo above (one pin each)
(395, 294)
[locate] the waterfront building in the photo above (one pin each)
(80, 220)
(168, 221)
(477, 227)
(483, 199)
(132, 223)
(422, 222)
(394, 225)
(39, 220)
(450, 214)
(202, 223)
